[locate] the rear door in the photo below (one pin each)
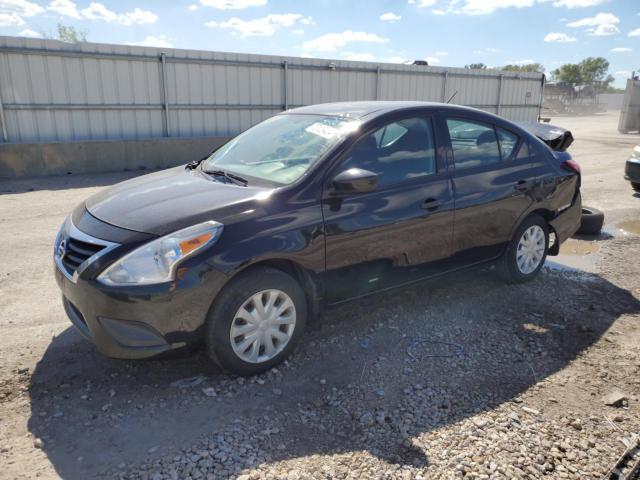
(394, 234)
(492, 181)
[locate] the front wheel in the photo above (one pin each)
(526, 252)
(635, 186)
(256, 321)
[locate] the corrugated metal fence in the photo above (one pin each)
(54, 91)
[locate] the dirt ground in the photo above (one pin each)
(460, 377)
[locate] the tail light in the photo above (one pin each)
(571, 165)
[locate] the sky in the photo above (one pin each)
(443, 32)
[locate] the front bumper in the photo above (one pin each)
(632, 170)
(139, 321)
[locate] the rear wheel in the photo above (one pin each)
(526, 252)
(256, 321)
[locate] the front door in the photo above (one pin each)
(394, 234)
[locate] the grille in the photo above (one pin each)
(77, 252)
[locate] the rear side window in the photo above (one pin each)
(397, 152)
(508, 142)
(474, 144)
(523, 152)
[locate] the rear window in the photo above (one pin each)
(508, 142)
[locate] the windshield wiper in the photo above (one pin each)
(232, 176)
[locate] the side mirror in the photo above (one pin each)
(355, 180)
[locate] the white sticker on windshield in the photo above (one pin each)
(327, 131)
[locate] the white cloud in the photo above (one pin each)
(390, 17)
(10, 20)
(622, 73)
(97, 11)
(21, 8)
(484, 7)
(621, 49)
(261, 26)
(297, 31)
(192, 8)
(635, 33)
(423, 3)
(578, 3)
(138, 17)
(151, 41)
(527, 61)
(27, 32)
(600, 25)
(361, 57)
(432, 60)
(555, 37)
(394, 59)
(442, 54)
(232, 4)
(329, 42)
(66, 8)
(485, 51)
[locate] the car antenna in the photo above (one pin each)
(451, 97)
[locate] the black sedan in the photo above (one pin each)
(312, 207)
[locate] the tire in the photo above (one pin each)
(259, 284)
(635, 186)
(508, 265)
(592, 221)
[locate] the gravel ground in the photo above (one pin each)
(459, 377)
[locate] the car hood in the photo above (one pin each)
(165, 201)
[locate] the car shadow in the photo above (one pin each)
(376, 374)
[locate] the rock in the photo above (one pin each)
(153, 449)
(277, 391)
(188, 382)
(532, 411)
(615, 399)
(38, 443)
(366, 419)
(209, 392)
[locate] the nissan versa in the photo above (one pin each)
(312, 207)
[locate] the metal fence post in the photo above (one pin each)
(165, 96)
(542, 82)
(3, 123)
(444, 86)
(378, 83)
(499, 103)
(285, 70)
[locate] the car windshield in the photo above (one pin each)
(280, 149)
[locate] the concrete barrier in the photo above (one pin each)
(41, 159)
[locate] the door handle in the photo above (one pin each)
(522, 186)
(431, 204)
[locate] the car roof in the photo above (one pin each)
(370, 109)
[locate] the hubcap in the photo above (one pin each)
(262, 327)
(530, 249)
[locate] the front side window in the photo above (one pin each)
(282, 148)
(474, 144)
(399, 151)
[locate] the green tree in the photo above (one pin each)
(477, 66)
(530, 67)
(591, 70)
(67, 33)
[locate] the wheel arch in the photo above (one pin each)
(308, 280)
(547, 215)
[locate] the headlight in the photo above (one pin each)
(636, 152)
(156, 261)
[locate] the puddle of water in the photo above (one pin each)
(576, 256)
(630, 226)
(578, 247)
